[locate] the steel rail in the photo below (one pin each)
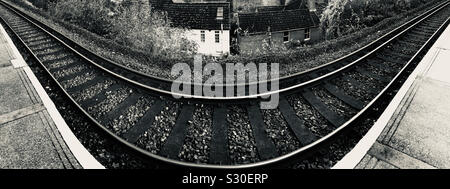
(262, 163)
(87, 53)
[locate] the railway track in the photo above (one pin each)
(229, 132)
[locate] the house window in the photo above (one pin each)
(219, 13)
(217, 37)
(307, 34)
(286, 36)
(202, 36)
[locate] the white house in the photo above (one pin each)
(211, 42)
(208, 23)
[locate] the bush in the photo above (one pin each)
(89, 14)
(328, 50)
(346, 16)
(149, 30)
(128, 23)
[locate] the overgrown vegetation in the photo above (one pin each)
(306, 57)
(291, 60)
(130, 24)
(341, 17)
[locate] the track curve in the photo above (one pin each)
(229, 132)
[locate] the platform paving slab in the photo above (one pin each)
(28, 139)
(384, 165)
(396, 158)
(13, 96)
(25, 143)
(428, 121)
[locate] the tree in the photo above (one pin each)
(341, 17)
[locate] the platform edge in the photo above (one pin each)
(352, 159)
(86, 160)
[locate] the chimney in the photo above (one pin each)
(312, 5)
(270, 3)
(286, 2)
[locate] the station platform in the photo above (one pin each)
(414, 131)
(33, 135)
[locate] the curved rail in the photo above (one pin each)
(140, 79)
(319, 79)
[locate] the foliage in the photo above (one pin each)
(341, 17)
(129, 23)
(304, 57)
(89, 14)
(147, 29)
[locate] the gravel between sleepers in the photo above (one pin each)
(313, 120)
(153, 139)
(131, 116)
(393, 66)
(113, 98)
(334, 104)
(38, 40)
(50, 58)
(46, 48)
(241, 143)
(198, 137)
(32, 35)
(331, 154)
(92, 91)
(382, 73)
(351, 90)
(78, 80)
(401, 48)
(367, 82)
(70, 71)
(279, 131)
(26, 32)
(43, 46)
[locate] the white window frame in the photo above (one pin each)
(202, 36)
(217, 36)
(307, 34)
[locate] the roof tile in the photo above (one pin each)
(277, 20)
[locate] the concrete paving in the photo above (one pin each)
(417, 135)
(33, 134)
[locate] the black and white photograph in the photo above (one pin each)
(224, 92)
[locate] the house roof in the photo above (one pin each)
(278, 20)
(158, 4)
(199, 15)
